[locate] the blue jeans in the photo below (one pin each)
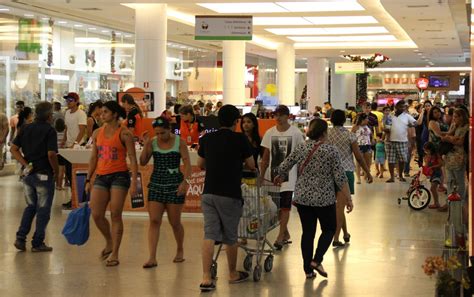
(39, 195)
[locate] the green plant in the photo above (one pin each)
(446, 284)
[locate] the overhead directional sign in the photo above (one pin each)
(223, 27)
(350, 67)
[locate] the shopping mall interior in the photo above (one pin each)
(255, 55)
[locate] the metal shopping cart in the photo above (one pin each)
(260, 216)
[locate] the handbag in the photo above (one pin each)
(76, 228)
(445, 147)
(308, 158)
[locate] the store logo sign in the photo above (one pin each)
(422, 83)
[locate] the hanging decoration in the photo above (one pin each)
(50, 43)
(112, 52)
(361, 78)
(90, 60)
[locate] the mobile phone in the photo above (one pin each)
(138, 200)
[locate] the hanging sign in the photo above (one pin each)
(422, 83)
(350, 67)
(223, 27)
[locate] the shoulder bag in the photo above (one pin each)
(308, 158)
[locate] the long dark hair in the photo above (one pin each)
(127, 98)
(23, 115)
(360, 118)
(114, 107)
(254, 135)
(431, 114)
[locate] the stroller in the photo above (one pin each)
(418, 195)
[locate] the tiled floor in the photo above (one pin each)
(388, 246)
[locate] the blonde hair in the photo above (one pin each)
(462, 113)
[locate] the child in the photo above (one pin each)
(432, 168)
(387, 121)
(364, 139)
(380, 156)
(60, 127)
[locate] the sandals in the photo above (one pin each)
(279, 244)
(112, 263)
(178, 260)
(243, 276)
(207, 287)
(105, 254)
(336, 243)
(390, 180)
(149, 265)
(311, 275)
(319, 268)
(347, 238)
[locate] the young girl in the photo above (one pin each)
(432, 168)
(364, 139)
(380, 156)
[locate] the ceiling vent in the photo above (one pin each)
(418, 6)
(434, 30)
(426, 20)
(91, 9)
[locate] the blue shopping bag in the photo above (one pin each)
(76, 229)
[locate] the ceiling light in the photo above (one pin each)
(420, 54)
(327, 31)
(105, 31)
(128, 35)
(4, 9)
(78, 25)
(263, 42)
(279, 21)
(180, 16)
(62, 22)
(415, 69)
(45, 19)
(371, 44)
(343, 38)
(348, 5)
(91, 39)
(338, 20)
(256, 7)
(118, 34)
(416, 50)
(29, 15)
(92, 29)
(171, 59)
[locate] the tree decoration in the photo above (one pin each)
(50, 43)
(369, 62)
(361, 78)
(112, 52)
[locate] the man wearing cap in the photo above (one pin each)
(76, 123)
(278, 143)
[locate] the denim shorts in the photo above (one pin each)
(365, 148)
(117, 180)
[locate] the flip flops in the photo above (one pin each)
(207, 287)
(105, 254)
(112, 263)
(149, 265)
(243, 276)
(178, 260)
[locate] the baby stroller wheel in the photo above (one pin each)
(419, 198)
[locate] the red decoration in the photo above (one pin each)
(422, 83)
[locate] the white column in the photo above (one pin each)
(343, 89)
(233, 63)
(318, 70)
(286, 73)
(150, 51)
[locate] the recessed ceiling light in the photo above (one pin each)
(128, 35)
(416, 51)
(45, 19)
(118, 34)
(29, 15)
(420, 54)
(343, 38)
(62, 22)
(105, 31)
(256, 7)
(92, 29)
(4, 9)
(327, 31)
(279, 21)
(348, 5)
(343, 51)
(78, 25)
(339, 20)
(357, 44)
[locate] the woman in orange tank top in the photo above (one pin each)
(111, 146)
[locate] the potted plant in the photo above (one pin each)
(446, 284)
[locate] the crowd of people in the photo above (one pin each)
(316, 172)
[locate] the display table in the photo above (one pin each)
(80, 163)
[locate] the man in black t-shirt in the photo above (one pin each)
(39, 147)
(223, 154)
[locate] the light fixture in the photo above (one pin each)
(45, 19)
(29, 15)
(327, 31)
(62, 22)
(348, 5)
(4, 9)
(280, 21)
(180, 16)
(416, 50)
(343, 38)
(361, 44)
(171, 59)
(105, 31)
(78, 25)
(263, 42)
(415, 69)
(250, 7)
(420, 54)
(128, 35)
(340, 20)
(92, 29)
(90, 39)
(57, 77)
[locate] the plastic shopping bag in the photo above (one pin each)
(76, 229)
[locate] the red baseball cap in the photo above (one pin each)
(72, 95)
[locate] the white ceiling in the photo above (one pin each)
(438, 27)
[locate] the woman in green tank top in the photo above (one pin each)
(168, 185)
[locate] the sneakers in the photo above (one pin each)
(20, 245)
(41, 248)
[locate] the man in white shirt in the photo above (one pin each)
(76, 123)
(397, 147)
(278, 142)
